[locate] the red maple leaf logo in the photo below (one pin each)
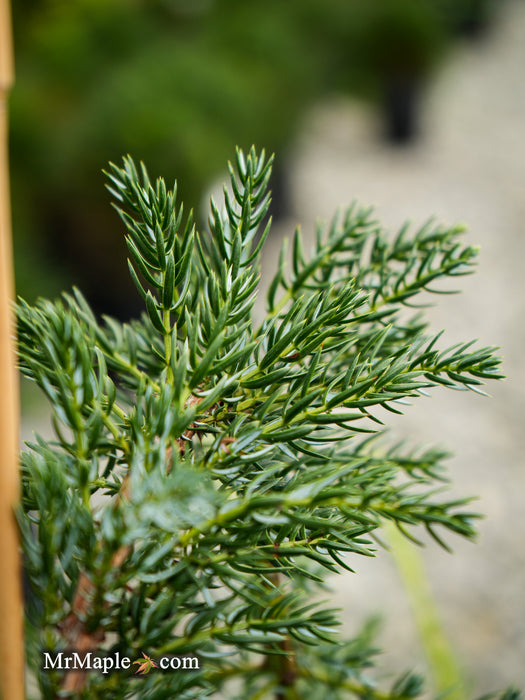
(145, 665)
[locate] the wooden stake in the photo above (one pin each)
(11, 604)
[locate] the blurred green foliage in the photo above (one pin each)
(177, 83)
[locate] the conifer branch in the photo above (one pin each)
(234, 466)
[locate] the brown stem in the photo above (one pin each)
(287, 669)
(73, 627)
(285, 663)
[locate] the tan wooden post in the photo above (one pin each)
(11, 605)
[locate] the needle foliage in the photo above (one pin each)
(208, 472)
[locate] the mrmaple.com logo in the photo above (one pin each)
(108, 663)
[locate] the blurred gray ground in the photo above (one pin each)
(469, 166)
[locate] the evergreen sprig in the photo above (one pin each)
(206, 469)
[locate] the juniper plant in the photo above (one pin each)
(209, 473)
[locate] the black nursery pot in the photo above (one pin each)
(401, 109)
(475, 19)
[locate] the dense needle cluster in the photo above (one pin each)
(208, 472)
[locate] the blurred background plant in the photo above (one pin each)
(178, 83)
